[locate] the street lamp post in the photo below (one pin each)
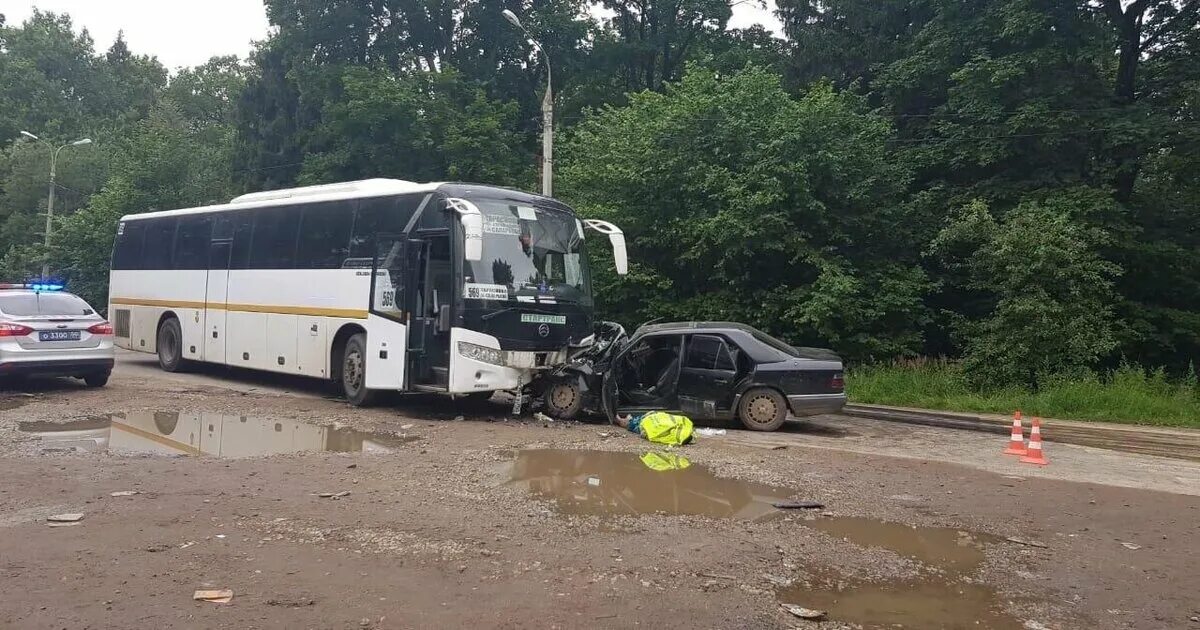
(50, 200)
(547, 111)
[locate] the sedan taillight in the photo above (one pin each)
(14, 330)
(103, 328)
(837, 382)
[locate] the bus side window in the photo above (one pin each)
(160, 237)
(273, 245)
(192, 242)
(127, 253)
(243, 228)
(325, 235)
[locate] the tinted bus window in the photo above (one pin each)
(382, 215)
(191, 242)
(273, 245)
(325, 235)
(242, 230)
(160, 236)
(127, 250)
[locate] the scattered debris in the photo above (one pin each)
(710, 432)
(220, 535)
(219, 596)
(1131, 546)
(541, 417)
(333, 495)
(405, 427)
(124, 493)
(604, 434)
(719, 576)
(1035, 625)
(291, 603)
(799, 505)
(802, 612)
(352, 466)
(74, 517)
(1027, 542)
(63, 524)
(593, 481)
(459, 418)
(187, 544)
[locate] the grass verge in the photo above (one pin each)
(1128, 395)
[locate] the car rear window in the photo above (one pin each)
(775, 343)
(33, 304)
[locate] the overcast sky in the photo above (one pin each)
(188, 32)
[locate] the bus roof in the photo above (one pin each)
(325, 192)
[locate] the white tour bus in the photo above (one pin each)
(476, 288)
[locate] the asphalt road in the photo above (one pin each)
(452, 514)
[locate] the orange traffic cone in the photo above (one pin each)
(1016, 443)
(1035, 454)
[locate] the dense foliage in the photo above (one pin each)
(1012, 182)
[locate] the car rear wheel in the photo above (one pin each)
(354, 372)
(170, 345)
(96, 379)
(762, 409)
(563, 399)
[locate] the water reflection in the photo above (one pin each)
(171, 433)
(609, 483)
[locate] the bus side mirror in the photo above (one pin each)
(472, 222)
(443, 319)
(617, 238)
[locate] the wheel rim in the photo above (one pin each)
(562, 396)
(352, 371)
(761, 409)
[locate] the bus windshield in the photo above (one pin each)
(530, 254)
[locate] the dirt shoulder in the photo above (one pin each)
(435, 534)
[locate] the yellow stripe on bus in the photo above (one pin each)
(349, 313)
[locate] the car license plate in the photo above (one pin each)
(58, 335)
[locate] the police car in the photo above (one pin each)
(45, 331)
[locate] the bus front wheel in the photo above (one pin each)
(354, 372)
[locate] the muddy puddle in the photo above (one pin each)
(945, 600)
(943, 547)
(626, 484)
(170, 433)
(921, 605)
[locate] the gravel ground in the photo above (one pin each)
(434, 534)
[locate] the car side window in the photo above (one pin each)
(709, 352)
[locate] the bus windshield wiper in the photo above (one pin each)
(513, 308)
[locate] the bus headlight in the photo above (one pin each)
(480, 353)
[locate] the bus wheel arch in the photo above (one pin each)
(348, 364)
(168, 342)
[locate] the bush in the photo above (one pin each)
(1128, 394)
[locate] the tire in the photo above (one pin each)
(563, 399)
(762, 409)
(96, 379)
(354, 372)
(170, 346)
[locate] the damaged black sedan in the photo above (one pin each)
(704, 370)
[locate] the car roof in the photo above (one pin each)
(749, 338)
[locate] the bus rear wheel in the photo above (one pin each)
(170, 345)
(354, 372)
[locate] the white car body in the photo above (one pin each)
(52, 333)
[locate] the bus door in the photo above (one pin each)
(429, 338)
(389, 325)
(217, 291)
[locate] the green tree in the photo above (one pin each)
(741, 202)
(1049, 292)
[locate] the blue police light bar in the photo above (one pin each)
(34, 286)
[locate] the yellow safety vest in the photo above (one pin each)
(661, 427)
